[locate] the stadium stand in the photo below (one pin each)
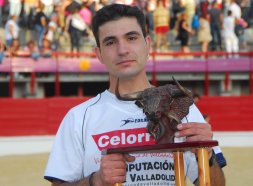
(215, 73)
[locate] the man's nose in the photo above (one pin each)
(123, 48)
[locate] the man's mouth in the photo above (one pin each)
(125, 62)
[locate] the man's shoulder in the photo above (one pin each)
(194, 115)
(99, 100)
(92, 101)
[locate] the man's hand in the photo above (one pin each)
(202, 132)
(195, 132)
(112, 169)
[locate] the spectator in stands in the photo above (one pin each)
(75, 26)
(207, 118)
(93, 6)
(161, 18)
(230, 38)
(149, 17)
(190, 8)
(40, 23)
(32, 50)
(204, 6)
(51, 34)
(15, 50)
(123, 47)
(62, 38)
(196, 97)
(27, 14)
(2, 3)
(176, 9)
(2, 51)
(29, 5)
(235, 9)
(86, 14)
(204, 33)
(216, 22)
(61, 16)
(46, 50)
(71, 5)
(11, 30)
(184, 30)
(15, 7)
(141, 4)
(48, 7)
(195, 24)
(245, 7)
(239, 29)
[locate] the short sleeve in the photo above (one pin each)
(65, 160)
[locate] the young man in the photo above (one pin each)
(104, 121)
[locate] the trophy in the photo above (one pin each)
(165, 107)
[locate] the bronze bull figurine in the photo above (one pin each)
(165, 107)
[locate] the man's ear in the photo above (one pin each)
(148, 43)
(98, 54)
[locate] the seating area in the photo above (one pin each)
(198, 71)
(169, 62)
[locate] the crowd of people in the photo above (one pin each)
(53, 25)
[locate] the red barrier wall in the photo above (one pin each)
(228, 113)
(42, 116)
(33, 116)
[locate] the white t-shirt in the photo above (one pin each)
(8, 34)
(236, 10)
(229, 27)
(103, 122)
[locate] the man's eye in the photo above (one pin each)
(132, 38)
(108, 43)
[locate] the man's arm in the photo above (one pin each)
(83, 182)
(112, 170)
(217, 177)
(201, 132)
(91, 180)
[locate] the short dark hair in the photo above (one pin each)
(114, 12)
(229, 13)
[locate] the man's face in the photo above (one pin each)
(15, 43)
(123, 49)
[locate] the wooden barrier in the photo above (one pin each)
(42, 116)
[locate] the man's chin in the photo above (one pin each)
(127, 74)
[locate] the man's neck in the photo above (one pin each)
(129, 85)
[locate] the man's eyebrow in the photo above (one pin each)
(108, 38)
(113, 37)
(132, 33)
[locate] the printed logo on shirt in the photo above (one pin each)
(157, 171)
(132, 120)
(149, 168)
(126, 121)
(123, 138)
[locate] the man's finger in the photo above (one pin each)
(193, 125)
(129, 158)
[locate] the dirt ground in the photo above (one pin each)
(27, 170)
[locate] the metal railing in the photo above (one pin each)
(206, 66)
